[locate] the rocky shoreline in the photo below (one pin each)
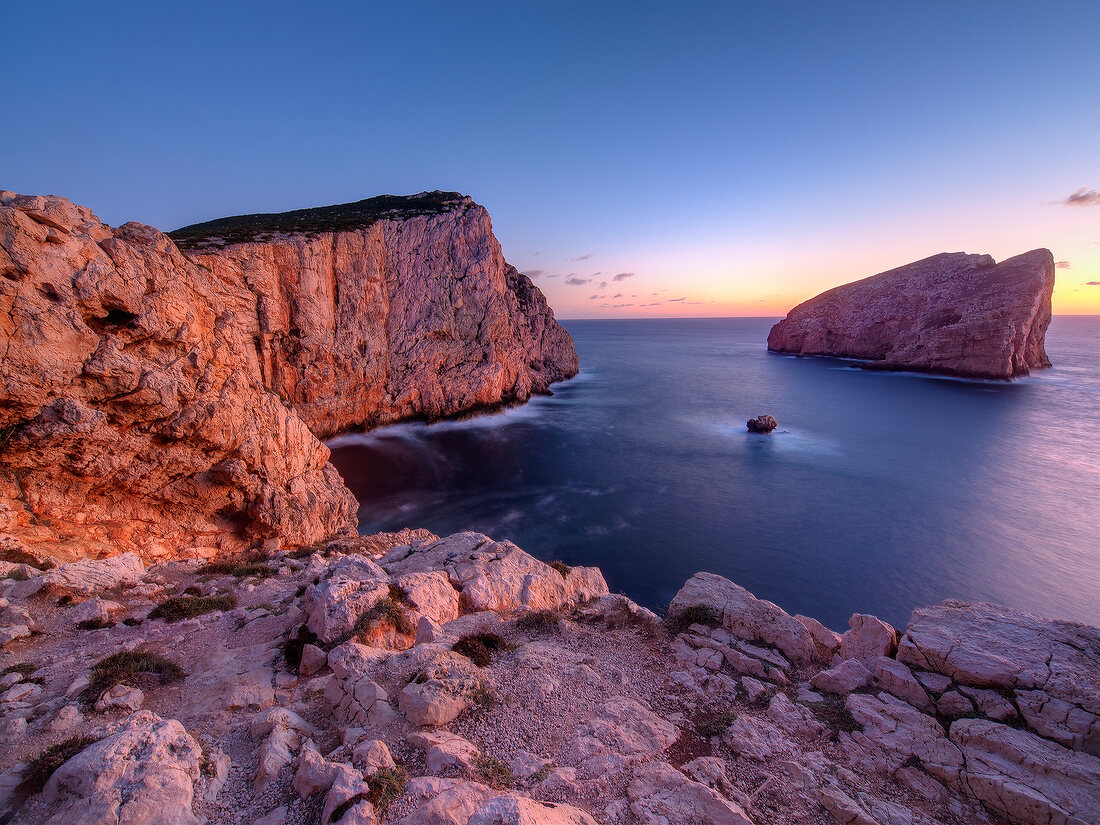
(402, 678)
(171, 403)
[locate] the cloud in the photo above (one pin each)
(583, 257)
(616, 295)
(551, 276)
(673, 300)
(1092, 283)
(1063, 264)
(622, 276)
(603, 284)
(575, 281)
(535, 273)
(620, 306)
(1083, 197)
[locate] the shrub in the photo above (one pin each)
(187, 607)
(341, 809)
(696, 614)
(42, 767)
(292, 648)
(388, 610)
(538, 621)
(18, 556)
(240, 568)
(95, 624)
(24, 669)
(561, 567)
(385, 786)
(834, 713)
(121, 667)
(715, 724)
(495, 773)
(479, 647)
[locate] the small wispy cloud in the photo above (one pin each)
(674, 300)
(535, 273)
(622, 276)
(603, 284)
(583, 257)
(1083, 197)
(575, 281)
(616, 295)
(1092, 283)
(1062, 265)
(551, 276)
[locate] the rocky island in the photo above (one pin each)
(952, 314)
(192, 632)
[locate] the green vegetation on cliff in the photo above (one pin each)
(336, 218)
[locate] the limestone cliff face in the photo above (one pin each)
(420, 317)
(171, 404)
(953, 313)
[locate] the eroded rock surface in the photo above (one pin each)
(584, 709)
(170, 403)
(953, 313)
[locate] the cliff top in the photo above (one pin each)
(335, 218)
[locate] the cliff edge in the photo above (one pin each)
(171, 403)
(953, 314)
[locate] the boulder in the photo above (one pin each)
(952, 313)
(897, 679)
(762, 424)
(441, 689)
(372, 756)
(745, 616)
(280, 732)
(1025, 778)
(143, 772)
(445, 750)
(120, 697)
(453, 804)
(661, 795)
(513, 809)
(620, 732)
(755, 738)
(497, 576)
(1052, 666)
(868, 638)
(86, 576)
(431, 594)
(849, 675)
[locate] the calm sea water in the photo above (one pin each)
(878, 493)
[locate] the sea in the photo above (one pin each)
(877, 493)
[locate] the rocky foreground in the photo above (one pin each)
(170, 403)
(953, 314)
(407, 679)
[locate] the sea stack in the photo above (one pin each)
(951, 314)
(171, 402)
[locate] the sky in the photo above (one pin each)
(638, 159)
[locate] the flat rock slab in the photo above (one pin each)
(1053, 666)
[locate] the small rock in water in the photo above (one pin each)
(762, 424)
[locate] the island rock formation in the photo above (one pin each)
(953, 314)
(170, 403)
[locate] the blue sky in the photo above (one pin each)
(741, 156)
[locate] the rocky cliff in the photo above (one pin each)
(954, 314)
(171, 403)
(415, 314)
